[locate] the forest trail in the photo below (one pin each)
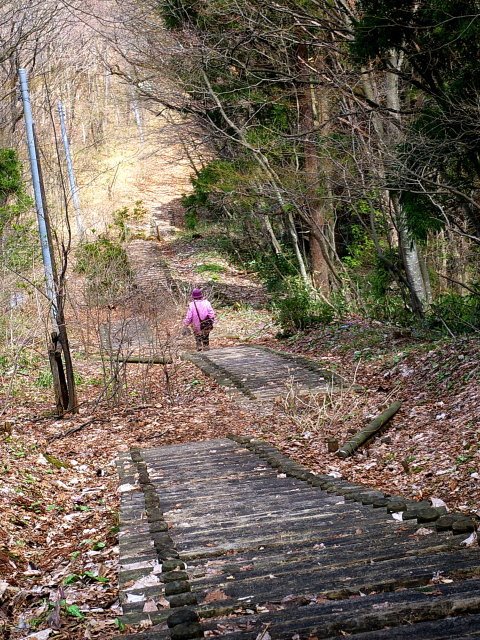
(259, 373)
(231, 539)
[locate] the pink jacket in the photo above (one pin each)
(205, 310)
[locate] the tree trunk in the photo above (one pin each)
(418, 279)
(419, 292)
(367, 432)
(389, 134)
(296, 247)
(314, 117)
(276, 245)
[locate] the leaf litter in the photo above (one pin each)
(59, 495)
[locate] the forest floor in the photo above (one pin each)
(58, 492)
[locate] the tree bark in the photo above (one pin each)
(419, 288)
(389, 134)
(314, 114)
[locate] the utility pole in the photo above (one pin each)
(63, 378)
(71, 173)
(37, 190)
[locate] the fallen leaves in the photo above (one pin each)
(124, 488)
(40, 635)
(150, 606)
(62, 518)
(423, 531)
(3, 587)
(438, 502)
(420, 455)
(150, 580)
(214, 596)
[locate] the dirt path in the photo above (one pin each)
(196, 536)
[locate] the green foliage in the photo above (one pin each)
(383, 279)
(273, 269)
(121, 218)
(210, 267)
(44, 379)
(375, 277)
(11, 182)
(360, 250)
(121, 626)
(383, 294)
(258, 81)
(383, 26)
(73, 610)
(191, 219)
(86, 577)
(226, 192)
(217, 177)
(19, 242)
(422, 215)
(10, 173)
(104, 263)
(298, 308)
(440, 42)
(377, 280)
(461, 314)
(20, 246)
(13, 199)
(177, 13)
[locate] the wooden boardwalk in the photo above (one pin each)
(263, 374)
(231, 539)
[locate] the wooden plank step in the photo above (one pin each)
(362, 614)
(252, 550)
(263, 373)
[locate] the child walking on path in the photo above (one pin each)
(201, 316)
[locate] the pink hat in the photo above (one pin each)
(197, 294)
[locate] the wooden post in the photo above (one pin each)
(57, 385)
(65, 376)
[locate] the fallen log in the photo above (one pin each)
(370, 430)
(146, 360)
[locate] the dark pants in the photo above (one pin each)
(202, 340)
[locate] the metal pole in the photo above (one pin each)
(71, 173)
(42, 226)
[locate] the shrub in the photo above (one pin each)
(20, 246)
(191, 220)
(104, 263)
(121, 218)
(461, 314)
(298, 308)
